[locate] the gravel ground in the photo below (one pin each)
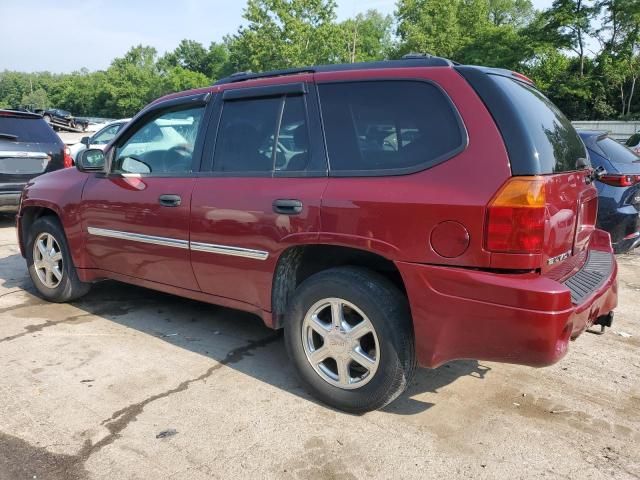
(132, 384)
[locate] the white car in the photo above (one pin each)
(100, 139)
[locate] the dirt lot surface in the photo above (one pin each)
(132, 384)
(69, 138)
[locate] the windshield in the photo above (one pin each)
(616, 152)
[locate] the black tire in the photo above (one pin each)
(387, 310)
(47, 118)
(69, 286)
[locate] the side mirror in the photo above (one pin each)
(85, 140)
(91, 160)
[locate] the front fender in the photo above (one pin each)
(59, 192)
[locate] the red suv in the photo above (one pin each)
(383, 214)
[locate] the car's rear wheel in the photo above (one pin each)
(349, 334)
(47, 118)
(50, 265)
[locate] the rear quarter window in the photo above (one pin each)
(34, 130)
(388, 127)
(558, 146)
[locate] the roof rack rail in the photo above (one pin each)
(409, 60)
(249, 75)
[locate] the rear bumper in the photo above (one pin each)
(9, 201)
(526, 319)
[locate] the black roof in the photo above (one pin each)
(411, 60)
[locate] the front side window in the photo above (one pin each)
(382, 126)
(162, 145)
(263, 135)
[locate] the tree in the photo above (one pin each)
(35, 100)
(284, 33)
(518, 13)
(428, 26)
(191, 55)
(366, 37)
(570, 24)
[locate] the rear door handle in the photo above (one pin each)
(287, 206)
(170, 200)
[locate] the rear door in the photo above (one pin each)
(263, 191)
(137, 216)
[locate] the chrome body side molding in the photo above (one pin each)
(139, 237)
(173, 242)
(228, 250)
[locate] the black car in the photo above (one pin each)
(56, 116)
(618, 189)
(28, 148)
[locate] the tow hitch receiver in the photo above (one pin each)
(604, 321)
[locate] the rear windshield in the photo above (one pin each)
(616, 152)
(556, 141)
(23, 129)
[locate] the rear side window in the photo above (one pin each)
(33, 130)
(558, 145)
(617, 153)
(388, 127)
(263, 135)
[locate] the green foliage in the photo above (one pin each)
(554, 47)
(37, 99)
(429, 26)
(367, 37)
(285, 33)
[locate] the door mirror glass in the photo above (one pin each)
(91, 160)
(85, 141)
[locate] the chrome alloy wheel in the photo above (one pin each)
(340, 343)
(47, 260)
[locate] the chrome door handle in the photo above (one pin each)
(170, 200)
(287, 206)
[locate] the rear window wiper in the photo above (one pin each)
(10, 136)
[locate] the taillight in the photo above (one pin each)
(68, 160)
(620, 180)
(516, 217)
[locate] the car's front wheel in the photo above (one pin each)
(349, 334)
(50, 265)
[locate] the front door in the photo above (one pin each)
(137, 216)
(263, 193)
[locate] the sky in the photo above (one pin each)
(67, 35)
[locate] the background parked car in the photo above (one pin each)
(634, 143)
(618, 190)
(100, 139)
(56, 116)
(28, 148)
